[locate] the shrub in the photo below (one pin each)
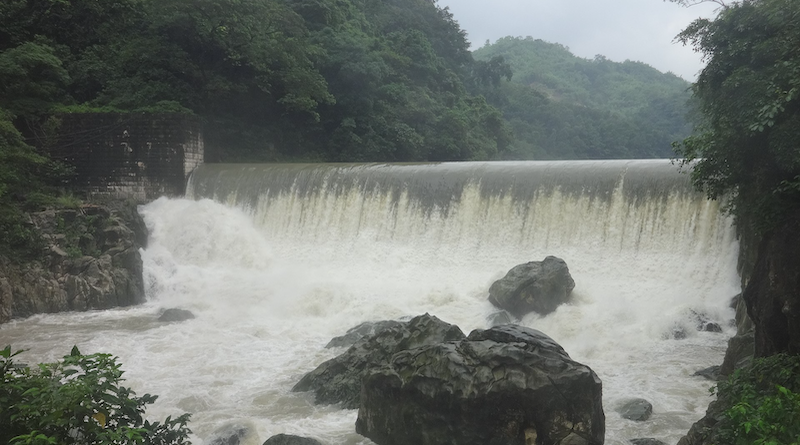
(764, 402)
(77, 400)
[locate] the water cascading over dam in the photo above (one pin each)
(276, 259)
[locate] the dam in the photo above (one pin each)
(276, 259)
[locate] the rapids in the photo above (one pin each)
(274, 260)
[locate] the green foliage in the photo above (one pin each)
(33, 78)
(80, 234)
(77, 400)
(565, 107)
(749, 94)
(764, 403)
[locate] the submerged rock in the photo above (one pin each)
(366, 329)
(175, 314)
(234, 433)
(505, 385)
(711, 373)
(646, 441)
(288, 439)
(338, 380)
(636, 409)
(537, 286)
(499, 318)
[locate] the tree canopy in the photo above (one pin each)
(747, 146)
(565, 107)
(328, 80)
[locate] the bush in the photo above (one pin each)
(77, 400)
(764, 402)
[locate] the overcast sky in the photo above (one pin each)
(641, 30)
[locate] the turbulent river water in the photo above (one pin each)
(275, 260)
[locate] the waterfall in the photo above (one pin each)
(276, 259)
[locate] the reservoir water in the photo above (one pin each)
(275, 260)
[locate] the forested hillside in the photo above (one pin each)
(563, 107)
(327, 80)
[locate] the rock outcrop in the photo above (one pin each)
(339, 380)
(506, 385)
(772, 297)
(91, 261)
(773, 306)
(537, 286)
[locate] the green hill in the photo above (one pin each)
(566, 107)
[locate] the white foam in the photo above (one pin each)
(271, 283)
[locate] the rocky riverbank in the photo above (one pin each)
(767, 315)
(90, 260)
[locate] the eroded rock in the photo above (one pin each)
(537, 286)
(339, 380)
(505, 385)
(91, 261)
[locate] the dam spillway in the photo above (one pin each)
(276, 259)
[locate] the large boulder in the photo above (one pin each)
(338, 380)
(507, 385)
(537, 286)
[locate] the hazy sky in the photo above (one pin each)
(641, 30)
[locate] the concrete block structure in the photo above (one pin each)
(138, 156)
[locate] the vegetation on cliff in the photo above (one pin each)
(77, 400)
(763, 403)
(746, 145)
(746, 149)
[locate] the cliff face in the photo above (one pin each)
(92, 261)
(771, 324)
(773, 292)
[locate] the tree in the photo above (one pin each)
(747, 146)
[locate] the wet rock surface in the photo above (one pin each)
(91, 261)
(505, 385)
(175, 314)
(339, 380)
(289, 439)
(710, 373)
(537, 286)
(366, 329)
(234, 433)
(646, 441)
(636, 409)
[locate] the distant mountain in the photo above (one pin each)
(561, 106)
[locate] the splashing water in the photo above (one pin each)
(275, 260)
